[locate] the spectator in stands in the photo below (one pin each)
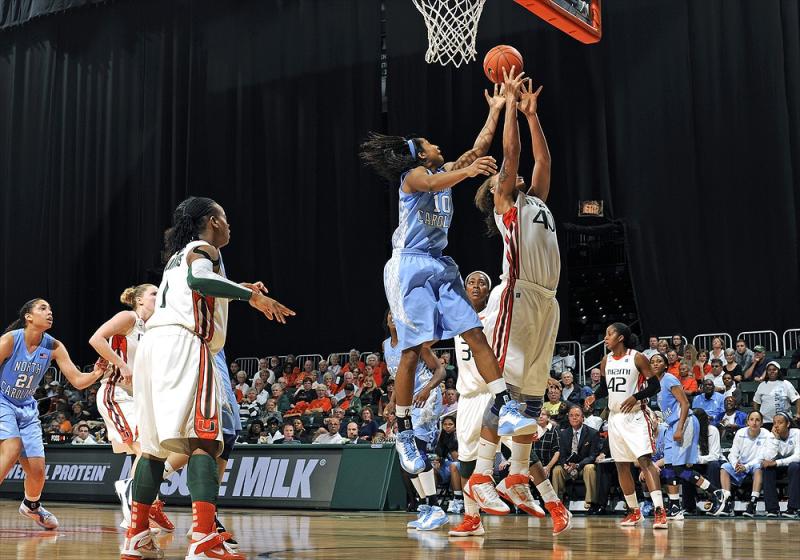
(338, 412)
(288, 435)
(305, 393)
(690, 355)
(716, 375)
(701, 367)
(248, 408)
(378, 368)
(300, 433)
(368, 424)
(555, 406)
(322, 404)
(758, 368)
(352, 434)
(254, 432)
(233, 369)
(688, 382)
(731, 389)
(546, 446)
(710, 458)
(47, 379)
(53, 389)
(273, 430)
(327, 380)
(594, 384)
(730, 365)
(281, 398)
(571, 392)
(271, 411)
(333, 365)
(78, 414)
(450, 371)
(241, 383)
(663, 346)
(291, 375)
(717, 350)
(744, 356)
(64, 425)
(290, 359)
(389, 425)
(450, 401)
(370, 394)
(782, 457)
(329, 433)
(446, 465)
(563, 361)
(354, 362)
(323, 371)
(794, 361)
(388, 391)
(710, 401)
(653, 348)
(732, 419)
(744, 460)
(678, 345)
(264, 373)
(775, 395)
(262, 395)
(579, 445)
(350, 402)
(83, 437)
(673, 364)
(347, 379)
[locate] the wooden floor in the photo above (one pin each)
(90, 532)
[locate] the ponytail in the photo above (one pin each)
(390, 156)
(129, 296)
(188, 221)
(484, 201)
(20, 322)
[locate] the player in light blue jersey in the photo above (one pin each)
(428, 376)
(681, 441)
(424, 287)
(26, 351)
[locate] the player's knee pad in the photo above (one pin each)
(466, 468)
(669, 475)
(490, 418)
(533, 406)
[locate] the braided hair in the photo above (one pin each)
(390, 156)
(188, 221)
(484, 201)
(19, 322)
(702, 420)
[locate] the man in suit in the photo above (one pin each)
(579, 446)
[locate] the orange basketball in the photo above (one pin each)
(501, 56)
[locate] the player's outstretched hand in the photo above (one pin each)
(258, 286)
(101, 365)
(529, 99)
(422, 397)
(512, 83)
(485, 165)
(497, 100)
(272, 309)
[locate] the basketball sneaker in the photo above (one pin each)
(140, 546)
(674, 511)
(513, 422)
(660, 518)
(230, 542)
(41, 516)
(516, 489)
(632, 519)
(562, 517)
(212, 545)
(750, 511)
(435, 518)
(720, 504)
(421, 512)
(456, 506)
(122, 489)
(471, 526)
(480, 488)
(411, 459)
(158, 517)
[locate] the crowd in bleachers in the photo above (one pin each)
(344, 402)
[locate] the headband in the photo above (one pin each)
(412, 148)
(488, 278)
(786, 416)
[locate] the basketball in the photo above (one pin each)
(501, 56)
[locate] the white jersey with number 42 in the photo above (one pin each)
(178, 304)
(622, 377)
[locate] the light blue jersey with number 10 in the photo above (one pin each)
(424, 220)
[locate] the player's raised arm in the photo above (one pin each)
(76, 377)
(202, 277)
(528, 105)
(505, 192)
(482, 143)
(121, 323)
(419, 180)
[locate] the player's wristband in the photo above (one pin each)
(602, 390)
(652, 388)
(203, 279)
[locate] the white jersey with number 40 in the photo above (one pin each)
(622, 377)
(178, 304)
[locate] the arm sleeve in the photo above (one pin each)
(203, 279)
(602, 390)
(652, 388)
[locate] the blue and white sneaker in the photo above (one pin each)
(646, 508)
(422, 510)
(411, 459)
(435, 518)
(41, 516)
(513, 422)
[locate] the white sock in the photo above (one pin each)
(630, 499)
(402, 411)
(674, 497)
(705, 484)
(458, 494)
(168, 470)
(726, 494)
(547, 492)
(755, 494)
(497, 386)
(486, 452)
(30, 499)
(520, 457)
(658, 499)
(470, 506)
(418, 486)
(428, 481)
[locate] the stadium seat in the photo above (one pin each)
(793, 374)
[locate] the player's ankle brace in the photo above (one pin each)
(146, 480)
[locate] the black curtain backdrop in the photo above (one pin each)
(684, 119)
(17, 12)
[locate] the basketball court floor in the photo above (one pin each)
(90, 532)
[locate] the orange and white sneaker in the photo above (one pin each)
(212, 545)
(470, 527)
(140, 546)
(633, 518)
(516, 489)
(480, 488)
(562, 518)
(159, 518)
(660, 518)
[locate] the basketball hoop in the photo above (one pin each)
(452, 29)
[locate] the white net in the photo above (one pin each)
(452, 29)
